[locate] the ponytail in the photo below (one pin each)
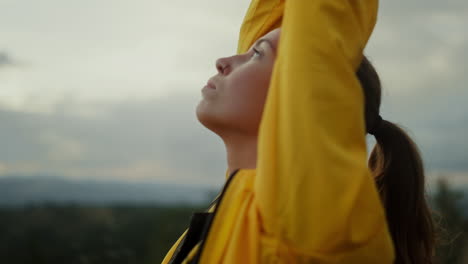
(397, 167)
(396, 164)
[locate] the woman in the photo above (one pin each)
(292, 107)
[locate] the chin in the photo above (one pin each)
(203, 114)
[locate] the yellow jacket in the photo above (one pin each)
(311, 198)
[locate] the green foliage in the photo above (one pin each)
(77, 234)
(53, 234)
(452, 224)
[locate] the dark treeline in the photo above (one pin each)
(450, 210)
(58, 234)
(75, 234)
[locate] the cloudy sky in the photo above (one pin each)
(107, 89)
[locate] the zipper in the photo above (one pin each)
(206, 232)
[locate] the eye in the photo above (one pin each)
(256, 52)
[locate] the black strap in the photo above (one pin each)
(197, 227)
(198, 231)
(207, 227)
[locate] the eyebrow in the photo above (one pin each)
(267, 41)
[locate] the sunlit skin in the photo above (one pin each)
(232, 104)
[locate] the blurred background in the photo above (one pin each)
(102, 158)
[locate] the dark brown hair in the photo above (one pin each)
(397, 166)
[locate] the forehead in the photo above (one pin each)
(272, 36)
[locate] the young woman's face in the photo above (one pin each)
(233, 99)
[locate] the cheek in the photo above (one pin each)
(246, 94)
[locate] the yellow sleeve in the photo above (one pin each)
(313, 190)
(262, 16)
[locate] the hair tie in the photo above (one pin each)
(377, 125)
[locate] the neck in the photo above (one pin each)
(241, 153)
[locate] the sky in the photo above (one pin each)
(107, 89)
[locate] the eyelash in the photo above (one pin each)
(256, 52)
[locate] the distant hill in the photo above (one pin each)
(18, 191)
(22, 190)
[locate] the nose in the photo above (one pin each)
(222, 65)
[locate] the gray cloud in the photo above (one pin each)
(5, 59)
(114, 49)
(162, 140)
(420, 51)
(153, 139)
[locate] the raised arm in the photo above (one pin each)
(262, 16)
(314, 192)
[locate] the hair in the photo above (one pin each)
(396, 164)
